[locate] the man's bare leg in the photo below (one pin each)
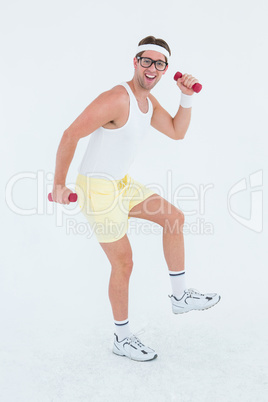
(119, 254)
(173, 244)
(158, 210)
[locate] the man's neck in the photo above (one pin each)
(140, 93)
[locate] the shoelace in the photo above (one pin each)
(194, 291)
(134, 338)
(191, 292)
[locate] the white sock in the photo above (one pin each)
(122, 329)
(178, 283)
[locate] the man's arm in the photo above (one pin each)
(105, 108)
(162, 121)
(176, 127)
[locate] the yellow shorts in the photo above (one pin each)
(106, 204)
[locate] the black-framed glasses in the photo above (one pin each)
(146, 62)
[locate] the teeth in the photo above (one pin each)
(150, 76)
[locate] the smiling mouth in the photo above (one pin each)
(150, 77)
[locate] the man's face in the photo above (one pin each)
(148, 77)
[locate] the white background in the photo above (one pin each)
(56, 321)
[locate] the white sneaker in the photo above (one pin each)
(192, 299)
(133, 348)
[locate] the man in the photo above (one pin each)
(117, 121)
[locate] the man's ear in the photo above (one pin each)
(135, 62)
(164, 72)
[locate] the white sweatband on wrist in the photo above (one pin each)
(186, 100)
(156, 48)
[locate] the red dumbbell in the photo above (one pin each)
(72, 197)
(196, 87)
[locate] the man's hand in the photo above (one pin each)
(60, 194)
(185, 84)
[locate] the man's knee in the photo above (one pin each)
(180, 217)
(124, 265)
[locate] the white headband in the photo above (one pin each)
(156, 48)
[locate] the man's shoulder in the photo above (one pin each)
(117, 94)
(153, 100)
(114, 98)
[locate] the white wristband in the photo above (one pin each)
(186, 100)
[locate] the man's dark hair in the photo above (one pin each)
(154, 41)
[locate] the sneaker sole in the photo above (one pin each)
(198, 309)
(137, 360)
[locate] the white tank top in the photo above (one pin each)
(110, 152)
